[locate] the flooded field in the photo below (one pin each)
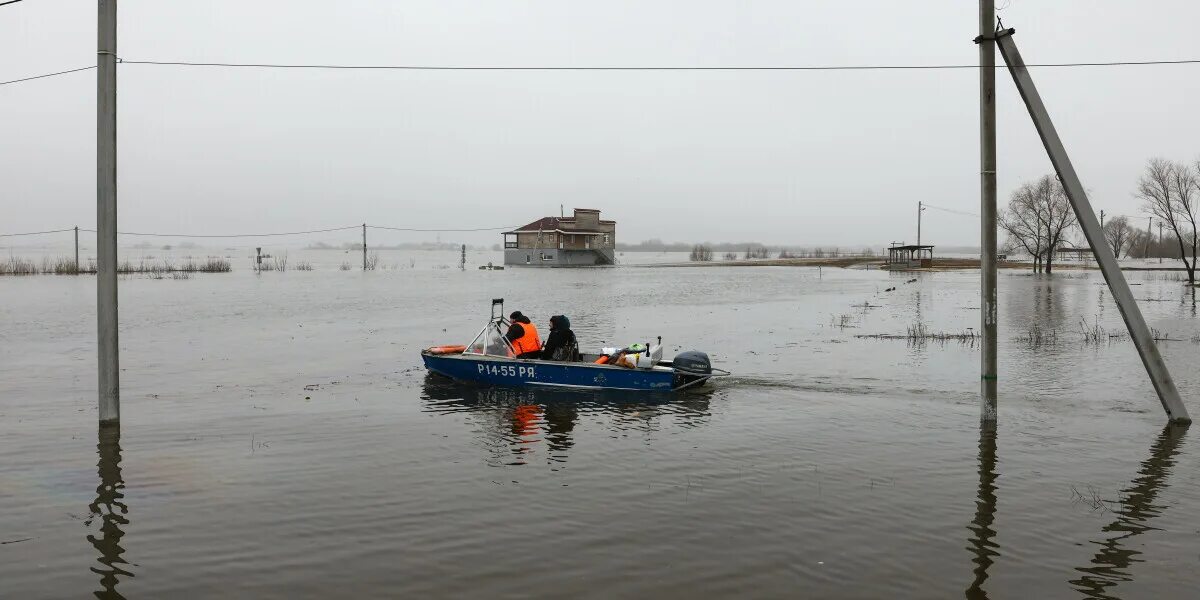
(280, 439)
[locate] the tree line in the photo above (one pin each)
(704, 253)
(1039, 219)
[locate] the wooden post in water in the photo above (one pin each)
(987, 201)
(1143, 339)
(106, 215)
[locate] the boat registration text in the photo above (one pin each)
(507, 370)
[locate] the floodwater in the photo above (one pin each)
(280, 439)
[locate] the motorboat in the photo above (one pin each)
(490, 359)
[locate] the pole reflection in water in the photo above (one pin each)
(1137, 508)
(981, 544)
(514, 421)
(112, 512)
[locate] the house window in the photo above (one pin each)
(606, 239)
(547, 256)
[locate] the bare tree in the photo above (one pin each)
(1119, 235)
(1024, 224)
(1169, 191)
(1037, 219)
(1060, 216)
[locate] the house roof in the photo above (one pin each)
(549, 224)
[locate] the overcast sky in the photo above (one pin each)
(801, 158)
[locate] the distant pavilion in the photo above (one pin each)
(905, 255)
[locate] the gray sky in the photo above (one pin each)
(783, 157)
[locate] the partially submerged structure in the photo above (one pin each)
(1066, 253)
(902, 256)
(583, 239)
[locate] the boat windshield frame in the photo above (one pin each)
(481, 345)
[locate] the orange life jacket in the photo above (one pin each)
(528, 342)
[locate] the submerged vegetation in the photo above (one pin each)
(1091, 334)
(1037, 336)
(64, 265)
(918, 334)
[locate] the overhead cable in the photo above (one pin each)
(439, 230)
(640, 68)
(606, 68)
(47, 75)
(38, 232)
(952, 211)
(229, 235)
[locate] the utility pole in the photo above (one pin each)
(1159, 243)
(106, 214)
(920, 209)
(365, 247)
(1141, 335)
(1102, 218)
(1149, 226)
(987, 200)
(77, 249)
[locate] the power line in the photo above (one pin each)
(643, 68)
(47, 74)
(440, 230)
(9, 2)
(230, 235)
(605, 68)
(275, 234)
(952, 211)
(36, 232)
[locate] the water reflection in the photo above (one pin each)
(112, 512)
(516, 421)
(1136, 508)
(981, 544)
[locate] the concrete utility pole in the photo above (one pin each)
(920, 209)
(77, 248)
(364, 246)
(1149, 228)
(1117, 286)
(987, 201)
(106, 214)
(1102, 218)
(1159, 244)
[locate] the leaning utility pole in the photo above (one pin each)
(987, 201)
(1156, 368)
(106, 214)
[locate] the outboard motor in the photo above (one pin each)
(691, 366)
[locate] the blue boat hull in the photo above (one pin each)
(534, 373)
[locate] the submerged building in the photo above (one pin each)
(583, 239)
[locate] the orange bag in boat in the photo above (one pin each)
(447, 349)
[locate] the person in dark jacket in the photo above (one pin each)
(561, 343)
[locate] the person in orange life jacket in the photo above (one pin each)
(523, 336)
(561, 343)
